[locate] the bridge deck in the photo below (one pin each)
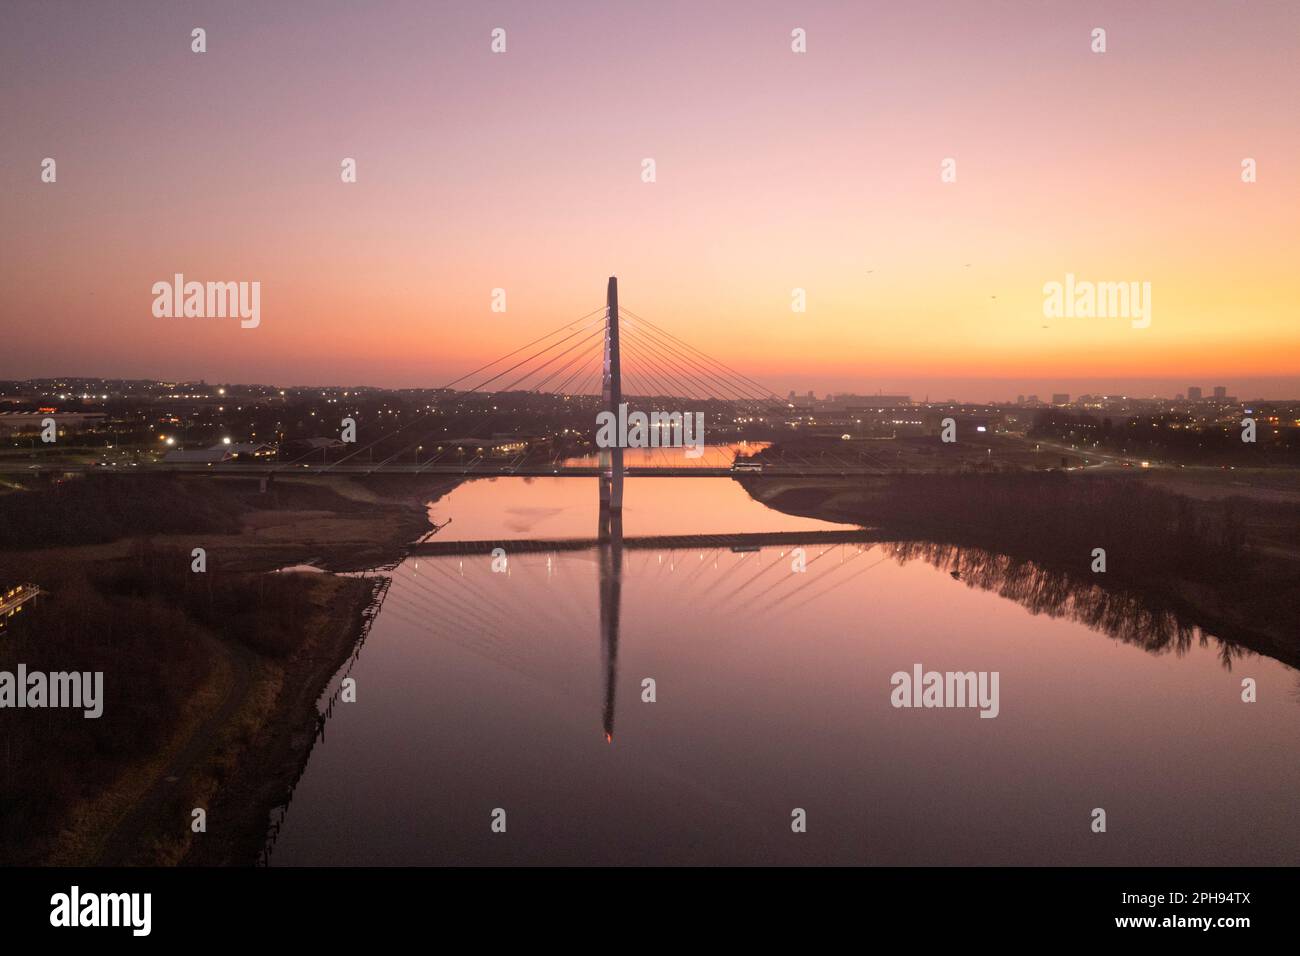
(666, 542)
(484, 471)
(461, 471)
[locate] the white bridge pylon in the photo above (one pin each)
(611, 459)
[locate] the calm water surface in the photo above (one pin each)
(481, 690)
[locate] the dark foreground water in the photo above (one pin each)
(480, 690)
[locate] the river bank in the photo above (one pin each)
(211, 677)
(1228, 565)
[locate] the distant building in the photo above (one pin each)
(1060, 398)
(1193, 393)
(14, 598)
(1220, 392)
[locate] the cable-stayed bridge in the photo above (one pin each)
(594, 364)
(607, 361)
(696, 378)
(634, 362)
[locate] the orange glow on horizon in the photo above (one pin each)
(774, 173)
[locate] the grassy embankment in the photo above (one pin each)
(210, 680)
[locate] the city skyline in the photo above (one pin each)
(1191, 393)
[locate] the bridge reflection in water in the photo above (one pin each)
(1131, 618)
(610, 557)
(1128, 617)
(773, 684)
(1125, 616)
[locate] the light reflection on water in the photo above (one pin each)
(479, 690)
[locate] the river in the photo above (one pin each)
(480, 691)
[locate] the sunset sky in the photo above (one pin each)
(775, 170)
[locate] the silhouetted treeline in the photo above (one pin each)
(1134, 616)
(1145, 531)
(1232, 561)
(1175, 437)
